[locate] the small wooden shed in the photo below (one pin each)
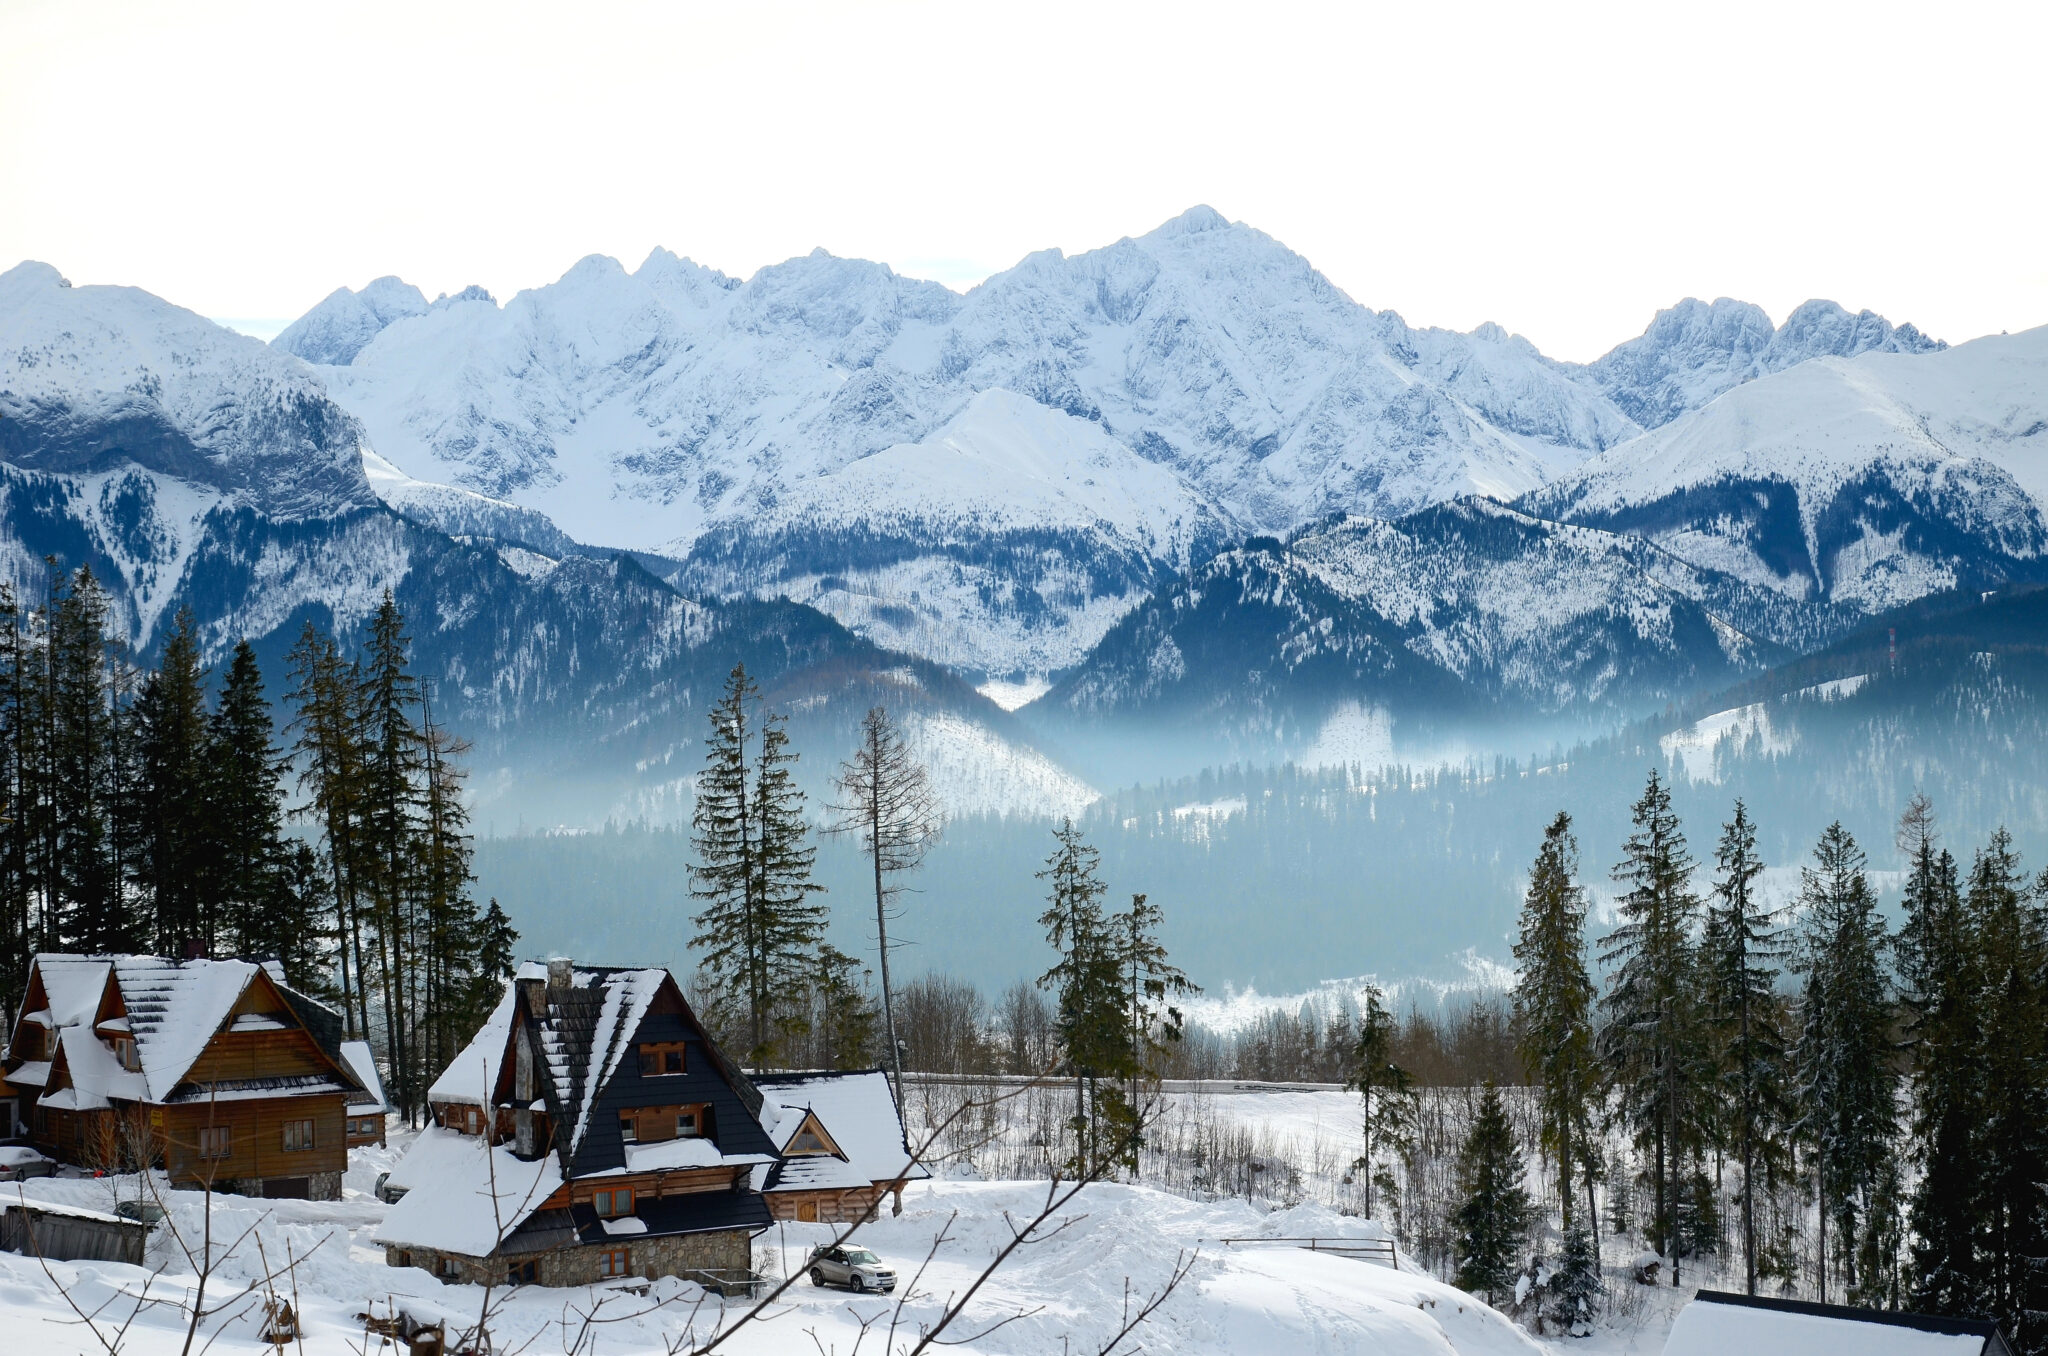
(69, 1233)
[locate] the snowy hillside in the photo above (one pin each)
(345, 320)
(1865, 482)
(1461, 609)
(1009, 541)
(94, 378)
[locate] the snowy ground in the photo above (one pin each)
(1070, 1290)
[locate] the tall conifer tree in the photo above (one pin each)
(1386, 1094)
(1848, 1084)
(1652, 1041)
(1553, 1001)
(1743, 948)
(1493, 1218)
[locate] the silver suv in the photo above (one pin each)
(855, 1268)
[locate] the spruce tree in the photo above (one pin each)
(1553, 1006)
(1386, 1093)
(1742, 949)
(88, 897)
(2012, 1139)
(788, 924)
(723, 842)
(242, 799)
(333, 760)
(1652, 1041)
(758, 928)
(392, 774)
(1151, 983)
(1847, 1081)
(1091, 1004)
(173, 740)
(1494, 1215)
(1575, 1285)
(1941, 978)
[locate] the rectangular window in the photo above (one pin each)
(216, 1141)
(687, 1124)
(298, 1136)
(629, 1128)
(659, 1061)
(615, 1262)
(522, 1273)
(617, 1201)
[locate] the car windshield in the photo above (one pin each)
(859, 1256)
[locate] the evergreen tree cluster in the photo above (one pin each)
(1812, 1053)
(417, 965)
(141, 809)
(146, 809)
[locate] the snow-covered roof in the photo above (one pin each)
(74, 985)
(462, 1196)
(472, 1074)
(94, 1075)
(360, 1062)
(176, 1007)
(858, 1115)
(1715, 1324)
(580, 1048)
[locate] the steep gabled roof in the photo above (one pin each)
(175, 1008)
(357, 1059)
(85, 1076)
(859, 1117)
(471, 1078)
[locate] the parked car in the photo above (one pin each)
(19, 1163)
(148, 1212)
(858, 1269)
(390, 1195)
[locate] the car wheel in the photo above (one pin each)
(860, 1285)
(817, 1276)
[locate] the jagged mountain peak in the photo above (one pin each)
(94, 379)
(1692, 352)
(345, 320)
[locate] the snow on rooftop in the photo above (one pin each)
(471, 1075)
(74, 986)
(356, 1057)
(1708, 1328)
(175, 1008)
(856, 1111)
(95, 1074)
(462, 1196)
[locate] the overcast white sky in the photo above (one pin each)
(1563, 170)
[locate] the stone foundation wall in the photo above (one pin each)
(678, 1255)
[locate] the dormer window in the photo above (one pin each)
(629, 1127)
(661, 1059)
(689, 1123)
(613, 1203)
(807, 1141)
(124, 1050)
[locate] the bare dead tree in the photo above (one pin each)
(886, 798)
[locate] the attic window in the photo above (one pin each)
(124, 1050)
(689, 1123)
(807, 1141)
(617, 1201)
(661, 1059)
(629, 1127)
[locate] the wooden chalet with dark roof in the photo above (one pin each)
(214, 1069)
(593, 1129)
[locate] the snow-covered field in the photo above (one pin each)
(1069, 1291)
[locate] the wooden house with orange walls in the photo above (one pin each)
(215, 1069)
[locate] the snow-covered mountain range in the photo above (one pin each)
(1184, 475)
(191, 467)
(992, 479)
